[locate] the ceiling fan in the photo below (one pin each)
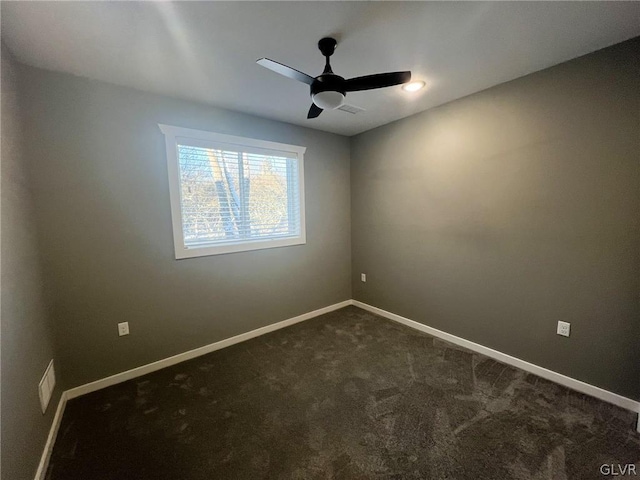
(328, 90)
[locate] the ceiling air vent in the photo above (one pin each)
(351, 109)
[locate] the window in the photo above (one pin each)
(232, 194)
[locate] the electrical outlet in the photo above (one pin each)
(123, 328)
(363, 277)
(564, 329)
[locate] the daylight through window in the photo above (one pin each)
(233, 193)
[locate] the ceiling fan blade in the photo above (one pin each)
(314, 111)
(379, 80)
(285, 70)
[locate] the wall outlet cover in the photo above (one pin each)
(564, 329)
(123, 328)
(363, 277)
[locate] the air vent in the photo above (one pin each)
(46, 386)
(351, 109)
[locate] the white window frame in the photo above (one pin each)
(172, 134)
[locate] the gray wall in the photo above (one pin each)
(495, 216)
(100, 177)
(26, 338)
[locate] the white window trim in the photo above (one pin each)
(171, 134)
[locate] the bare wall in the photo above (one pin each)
(100, 177)
(27, 342)
(495, 216)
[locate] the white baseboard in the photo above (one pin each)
(53, 433)
(569, 382)
(556, 377)
(167, 362)
(197, 352)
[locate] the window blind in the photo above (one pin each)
(230, 194)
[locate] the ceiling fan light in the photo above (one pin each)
(328, 100)
(413, 86)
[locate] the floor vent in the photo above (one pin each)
(46, 386)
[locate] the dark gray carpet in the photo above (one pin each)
(348, 395)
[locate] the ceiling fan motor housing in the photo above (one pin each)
(327, 91)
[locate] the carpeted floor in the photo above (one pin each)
(348, 395)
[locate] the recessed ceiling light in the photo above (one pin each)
(413, 86)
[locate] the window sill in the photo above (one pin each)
(207, 250)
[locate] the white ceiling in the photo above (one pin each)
(206, 51)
